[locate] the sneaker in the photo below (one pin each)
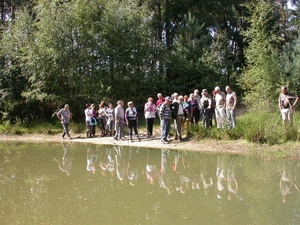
(166, 142)
(115, 138)
(70, 138)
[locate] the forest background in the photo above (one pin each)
(84, 51)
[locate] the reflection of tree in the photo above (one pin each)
(65, 163)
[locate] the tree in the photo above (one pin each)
(262, 74)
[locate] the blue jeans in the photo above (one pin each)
(165, 128)
(231, 116)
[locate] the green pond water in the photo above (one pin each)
(72, 183)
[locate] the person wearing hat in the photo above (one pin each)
(165, 118)
(231, 101)
(220, 107)
(206, 105)
(132, 120)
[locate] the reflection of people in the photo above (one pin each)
(287, 185)
(64, 116)
(152, 170)
(91, 159)
(286, 104)
(221, 179)
(65, 164)
(121, 164)
(133, 166)
(232, 185)
(107, 163)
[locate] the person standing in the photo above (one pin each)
(88, 116)
(119, 120)
(187, 112)
(102, 118)
(149, 112)
(220, 107)
(110, 114)
(160, 100)
(206, 105)
(195, 107)
(165, 118)
(231, 101)
(177, 115)
(132, 120)
(64, 115)
(287, 102)
(93, 121)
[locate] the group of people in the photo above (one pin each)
(182, 109)
(190, 109)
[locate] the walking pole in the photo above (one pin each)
(277, 120)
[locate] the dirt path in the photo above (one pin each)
(235, 147)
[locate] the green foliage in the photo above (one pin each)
(261, 77)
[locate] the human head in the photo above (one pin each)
(192, 96)
(87, 106)
(92, 106)
(66, 106)
(175, 96)
(102, 104)
(159, 96)
(150, 99)
(185, 98)
(196, 92)
(204, 92)
(284, 89)
(130, 104)
(180, 98)
(217, 89)
(228, 89)
(120, 102)
(110, 105)
(168, 100)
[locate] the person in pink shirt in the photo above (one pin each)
(150, 114)
(160, 100)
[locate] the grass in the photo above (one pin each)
(265, 129)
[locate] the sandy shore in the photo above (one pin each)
(234, 147)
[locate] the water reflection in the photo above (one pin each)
(287, 184)
(65, 163)
(126, 185)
